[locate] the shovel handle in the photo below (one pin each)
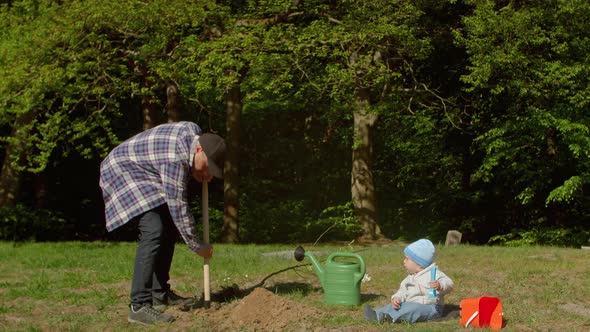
(205, 208)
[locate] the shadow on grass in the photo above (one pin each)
(371, 297)
(234, 292)
(98, 245)
(450, 311)
(293, 287)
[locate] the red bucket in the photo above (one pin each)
(485, 311)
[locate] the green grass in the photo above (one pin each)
(75, 286)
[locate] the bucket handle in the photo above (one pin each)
(361, 273)
(471, 318)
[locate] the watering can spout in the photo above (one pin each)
(300, 254)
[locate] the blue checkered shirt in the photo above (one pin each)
(148, 170)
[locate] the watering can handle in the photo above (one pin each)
(357, 276)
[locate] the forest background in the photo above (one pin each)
(344, 119)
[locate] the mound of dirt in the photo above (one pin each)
(262, 310)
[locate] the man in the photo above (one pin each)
(145, 180)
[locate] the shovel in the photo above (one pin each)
(205, 207)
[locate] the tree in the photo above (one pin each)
(83, 62)
(28, 88)
(75, 78)
(529, 69)
(366, 50)
(241, 50)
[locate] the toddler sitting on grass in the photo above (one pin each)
(413, 301)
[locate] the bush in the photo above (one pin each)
(21, 223)
(336, 223)
(292, 221)
(215, 222)
(544, 236)
(273, 222)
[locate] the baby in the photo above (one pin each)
(421, 294)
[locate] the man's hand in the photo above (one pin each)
(206, 251)
(200, 169)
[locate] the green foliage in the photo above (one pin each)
(362, 44)
(273, 221)
(561, 237)
(20, 223)
(335, 223)
(64, 84)
(528, 75)
(567, 191)
(292, 222)
(215, 221)
(486, 135)
(83, 63)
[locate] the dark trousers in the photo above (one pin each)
(157, 236)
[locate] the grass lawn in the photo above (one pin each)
(78, 286)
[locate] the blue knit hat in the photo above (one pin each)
(421, 252)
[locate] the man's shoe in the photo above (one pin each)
(171, 299)
(147, 315)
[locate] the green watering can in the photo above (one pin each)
(341, 280)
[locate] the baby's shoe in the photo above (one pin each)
(370, 314)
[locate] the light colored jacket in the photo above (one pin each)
(414, 288)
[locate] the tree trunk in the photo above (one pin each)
(363, 188)
(11, 177)
(230, 230)
(173, 102)
(41, 190)
(149, 106)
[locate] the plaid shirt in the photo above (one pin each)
(150, 169)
